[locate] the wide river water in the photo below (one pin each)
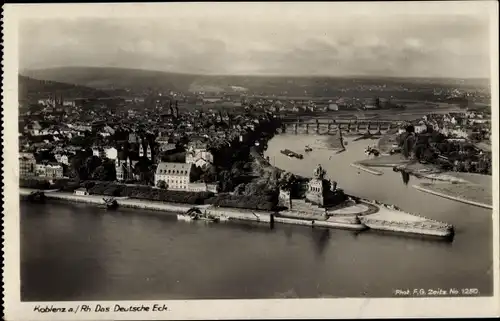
(79, 252)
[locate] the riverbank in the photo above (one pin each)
(419, 170)
(366, 169)
(384, 161)
(469, 189)
(386, 143)
(461, 192)
(342, 221)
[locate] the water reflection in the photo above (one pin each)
(411, 238)
(406, 177)
(320, 239)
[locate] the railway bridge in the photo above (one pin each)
(323, 126)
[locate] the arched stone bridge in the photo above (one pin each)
(331, 126)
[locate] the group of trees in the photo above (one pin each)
(481, 166)
(147, 192)
(426, 147)
(85, 166)
(61, 184)
(255, 202)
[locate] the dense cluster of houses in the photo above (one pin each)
(29, 168)
(457, 126)
(192, 132)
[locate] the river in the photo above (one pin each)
(78, 252)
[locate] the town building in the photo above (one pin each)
(49, 171)
(99, 152)
(332, 106)
(111, 153)
(35, 128)
(175, 175)
(27, 165)
(166, 146)
(81, 127)
(81, 191)
(124, 169)
(132, 138)
(63, 159)
(53, 171)
(420, 128)
(199, 156)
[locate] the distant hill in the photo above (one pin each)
(136, 80)
(115, 78)
(33, 89)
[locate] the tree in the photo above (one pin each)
(89, 185)
(225, 181)
(91, 164)
(209, 174)
(105, 172)
(428, 155)
(144, 168)
(99, 173)
(78, 168)
(287, 181)
(162, 184)
(45, 155)
(483, 165)
(408, 145)
(196, 173)
(240, 189)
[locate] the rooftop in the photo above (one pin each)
(177, 169)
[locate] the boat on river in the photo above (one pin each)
(111, 203)
(195, 214)
(371, 151)
(36, 197)
(290, 153)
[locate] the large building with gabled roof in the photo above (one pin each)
(175, 175)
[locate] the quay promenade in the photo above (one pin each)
(346, 219)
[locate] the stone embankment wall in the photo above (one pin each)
(342, 225)
(236, 214)
(371, 209)
(451, 197)
(366, 169)
(424, 228)
(427, 227)
(123, 202)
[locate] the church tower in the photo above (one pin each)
(141, 148)
(148, 151)
(119, 169)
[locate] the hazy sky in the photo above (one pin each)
(275, 39)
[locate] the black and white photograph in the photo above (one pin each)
(250, 152)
